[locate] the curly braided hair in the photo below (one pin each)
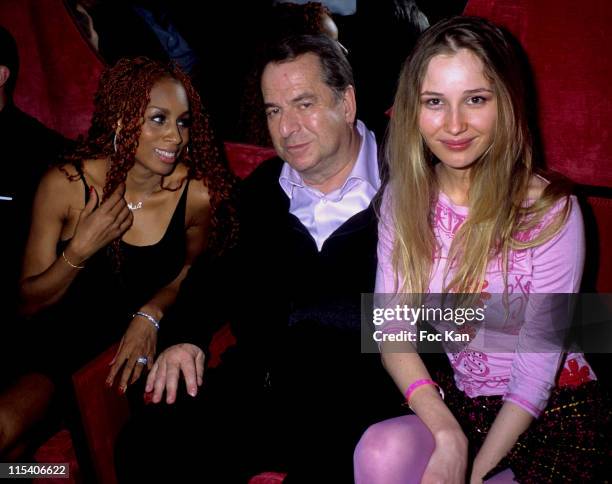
(121, 99)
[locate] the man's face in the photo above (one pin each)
(309, 125)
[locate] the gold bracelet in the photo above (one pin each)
(70, 263)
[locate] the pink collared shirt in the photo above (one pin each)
(322, 213)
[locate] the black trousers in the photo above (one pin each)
(304, 418)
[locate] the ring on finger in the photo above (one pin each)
(142, 360)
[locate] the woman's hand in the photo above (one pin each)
(448, 463)
(98, 226)
(511, 421)
(140, 340)
(475, 479)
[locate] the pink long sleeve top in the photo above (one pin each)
(523, 377)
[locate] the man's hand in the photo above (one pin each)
(183, 358)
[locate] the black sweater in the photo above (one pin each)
(276, 278)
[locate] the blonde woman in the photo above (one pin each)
(466, 212)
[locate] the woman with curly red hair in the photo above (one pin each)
(116, 228)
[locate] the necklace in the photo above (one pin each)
(139, 204)
(134, 206)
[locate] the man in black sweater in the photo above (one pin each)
(28, 148)
(295, 393)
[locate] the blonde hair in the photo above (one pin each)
(499, 179)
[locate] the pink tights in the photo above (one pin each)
(396, 451)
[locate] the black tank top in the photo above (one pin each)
(98, 306)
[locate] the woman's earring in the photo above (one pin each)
(115, 142)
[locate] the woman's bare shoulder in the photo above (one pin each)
(59, 177)
(198, 203)
(59, 190)
(198, 195)
(200, 191)
(95, 172)
(198, 198)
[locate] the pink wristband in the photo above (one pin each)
(419, 383)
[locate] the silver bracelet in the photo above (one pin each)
(153, 321)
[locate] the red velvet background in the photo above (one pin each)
(567, 43)
(59, 70)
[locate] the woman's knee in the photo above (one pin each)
(400, 439)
